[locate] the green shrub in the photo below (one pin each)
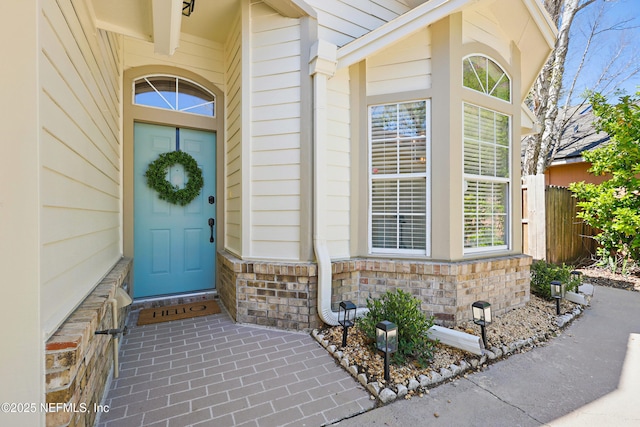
(613, 206)
(542, 273)
(402, 309)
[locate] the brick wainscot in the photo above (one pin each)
(284, 295)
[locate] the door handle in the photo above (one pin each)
(211, 223)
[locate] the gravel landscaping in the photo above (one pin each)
(518, 330)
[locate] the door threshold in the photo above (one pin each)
(173, 299)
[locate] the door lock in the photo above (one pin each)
(211, 223)
(212, 200)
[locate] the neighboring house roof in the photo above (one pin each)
(579, 135)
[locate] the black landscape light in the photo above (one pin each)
(387, 342)
(576, 278)
(557, 292)
(346, 316)
(482, 316)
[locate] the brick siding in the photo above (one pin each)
(284, 294)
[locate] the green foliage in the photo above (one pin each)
(156, 178)
(402, 309)
(613, 207)
(543, 273)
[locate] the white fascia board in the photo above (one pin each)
(543, 21)
(528, 121)
(167, 19)
(396, 29)
(292, 8)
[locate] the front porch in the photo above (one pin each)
(212, 371)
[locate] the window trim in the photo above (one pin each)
(426, 252)
(466, 57)
(490, 179)
(177, 78)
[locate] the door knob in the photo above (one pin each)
(211, 223)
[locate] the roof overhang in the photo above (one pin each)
(528, 122)
(397, 29)
(291, 8)
(525, 22)
(530, 27)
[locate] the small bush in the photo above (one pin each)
(402, 309)
(542, 273)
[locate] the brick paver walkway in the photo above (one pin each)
(209, 371)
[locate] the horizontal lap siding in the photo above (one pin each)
(339, 164)
(403, 67)
(200, 56)
(341, 21)
(275, 135)
(481, 26)
(80, 156)
(233, 146)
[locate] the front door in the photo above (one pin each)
(173, 247)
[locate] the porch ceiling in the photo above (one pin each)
(160, 22)
(210, 20)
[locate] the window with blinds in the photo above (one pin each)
(487, 178)
(399, 160)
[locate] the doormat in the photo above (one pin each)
(177, 312)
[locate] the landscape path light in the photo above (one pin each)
(557, 292)
(387, 342)
(576, 277)
(346, 316)
(482, 316)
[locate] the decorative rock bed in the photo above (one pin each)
(419, 384)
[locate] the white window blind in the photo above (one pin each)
(487, 178)
(399, 158)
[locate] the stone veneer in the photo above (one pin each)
(78, 362)
(284, 294)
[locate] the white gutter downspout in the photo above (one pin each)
(322, 66)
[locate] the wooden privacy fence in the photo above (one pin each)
(550, 227)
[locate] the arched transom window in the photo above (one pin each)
(482, 74)
(174, 93)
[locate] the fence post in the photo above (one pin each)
(535, 214)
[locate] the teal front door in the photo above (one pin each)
(174, 246)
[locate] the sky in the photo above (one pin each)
(605, 46)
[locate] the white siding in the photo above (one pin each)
(233, 146)
(275, 135)
(482, 26)
(341, 21)
(339, 164)
(200, 56)
(402, 67)
(80, 157)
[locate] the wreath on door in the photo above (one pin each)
(156, 175)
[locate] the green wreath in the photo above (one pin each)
(156, 178)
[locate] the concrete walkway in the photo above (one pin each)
(209, 371)
(588, 376)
